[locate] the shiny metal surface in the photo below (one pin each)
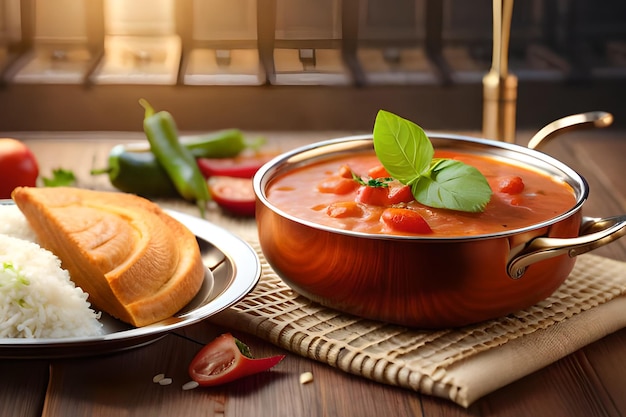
(499, 85)
(233, 269)
(594, 233)
(558, 127)
(427, 282)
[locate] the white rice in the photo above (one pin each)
(37, 297)
(13, 223)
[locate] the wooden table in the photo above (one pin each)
(589, 382)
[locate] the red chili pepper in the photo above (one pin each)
(226, 359)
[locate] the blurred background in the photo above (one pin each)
(82, 65)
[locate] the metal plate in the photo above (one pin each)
(233, 269)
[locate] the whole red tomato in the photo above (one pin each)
(18, 166)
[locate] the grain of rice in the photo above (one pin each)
(190, 385)
(306, 378)
(165, 381)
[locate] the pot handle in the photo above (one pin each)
(594, 232)
(565, 124)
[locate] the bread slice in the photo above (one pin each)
(136, 263)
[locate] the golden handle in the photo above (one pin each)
(565, 124)
(595, 232)
(500, 87)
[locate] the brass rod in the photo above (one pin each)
(499, 86)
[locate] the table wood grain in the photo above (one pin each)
(590, 382)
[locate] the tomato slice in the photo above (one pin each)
(384, 196)
(400, 194)
(235, 195)
(405, 220)
(226, 359)
(243, 166)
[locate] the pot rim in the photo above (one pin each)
(303, 155)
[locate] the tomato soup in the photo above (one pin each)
(329, 193)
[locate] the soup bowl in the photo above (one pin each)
(427, 281)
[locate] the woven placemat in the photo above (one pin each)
(460, 364)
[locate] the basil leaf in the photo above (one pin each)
(453, 185)
(407, 154)
(402, 147)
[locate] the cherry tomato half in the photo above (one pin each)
(243, 166)
(232, 194)
(376, 196)
(510, 185)
(226, 359)
(18, 166)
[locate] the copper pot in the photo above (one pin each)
(427, 282)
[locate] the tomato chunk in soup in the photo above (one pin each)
(328, 193)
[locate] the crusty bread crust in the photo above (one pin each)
(136, 262)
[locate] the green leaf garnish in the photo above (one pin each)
(60, 178)
(407, 154)
(402, 147)
(372, 182)
(11, 277)
(15, 276)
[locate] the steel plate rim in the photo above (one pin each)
(246, 274)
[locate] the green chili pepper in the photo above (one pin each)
(178, 161)
(222, 144)
(137, 172)
(133, 168)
